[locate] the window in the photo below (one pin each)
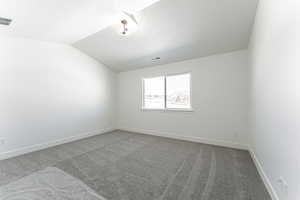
(154, 93)
(171, 92)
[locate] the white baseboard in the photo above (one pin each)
(264, 176)
(38, 147)
(188, 138)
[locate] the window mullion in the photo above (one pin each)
(165, 92)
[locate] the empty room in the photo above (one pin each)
(149, 100)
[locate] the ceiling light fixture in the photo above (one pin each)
(125, 29)
(129, 24)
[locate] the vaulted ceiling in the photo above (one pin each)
(64, 21)
(173, 30)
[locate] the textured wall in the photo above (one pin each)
(219, 100)
(275, 93)
(49, 92)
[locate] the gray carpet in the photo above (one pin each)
(128, 166)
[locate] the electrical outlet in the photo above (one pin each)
(283, 185)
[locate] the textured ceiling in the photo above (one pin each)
(174, 30)
(64, 21)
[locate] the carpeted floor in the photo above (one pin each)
(128, 166)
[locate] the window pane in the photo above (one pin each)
(178, 91)
(154, 89)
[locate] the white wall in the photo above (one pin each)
(275, 93)
(49, 92)
(219, 97)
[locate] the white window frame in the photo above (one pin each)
(165, 94)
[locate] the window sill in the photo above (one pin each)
(168, 110)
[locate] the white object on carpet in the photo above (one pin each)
(48, 184)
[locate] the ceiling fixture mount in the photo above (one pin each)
(5, 21)
(129, 23)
